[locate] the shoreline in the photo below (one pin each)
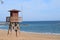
(42, 33)
(27, 36)
(47, 33)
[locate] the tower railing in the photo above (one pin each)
(13, 19)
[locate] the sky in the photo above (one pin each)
(32, 10)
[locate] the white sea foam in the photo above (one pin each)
(4, 29)
(2, 26)
(42, 33)
(36, 32)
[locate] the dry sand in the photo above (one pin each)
(27, 36)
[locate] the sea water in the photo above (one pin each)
(38, 26)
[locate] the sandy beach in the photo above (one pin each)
(27, 36)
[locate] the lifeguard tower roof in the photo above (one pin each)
(14, 10)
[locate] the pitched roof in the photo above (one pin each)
(14, 10)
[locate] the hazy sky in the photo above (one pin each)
(32, 10)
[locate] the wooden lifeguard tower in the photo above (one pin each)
(13, 19)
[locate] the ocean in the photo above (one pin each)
(38, 26)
